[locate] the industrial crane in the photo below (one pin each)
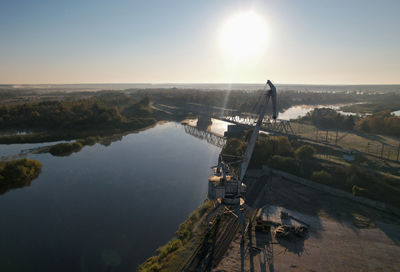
(224, 186)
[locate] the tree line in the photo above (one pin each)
(246, 101)
(378, 123)
(108, 110)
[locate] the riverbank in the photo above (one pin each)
(174, 255)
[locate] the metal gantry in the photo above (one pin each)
(224, 186)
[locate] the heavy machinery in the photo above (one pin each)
(225, 186)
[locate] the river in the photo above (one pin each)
(105, 208)
(301, 110)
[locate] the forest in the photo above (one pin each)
(94, 112)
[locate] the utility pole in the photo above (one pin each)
(398, 151)
(383, 146)
(337, 131)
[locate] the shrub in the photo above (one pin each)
(194, 216)
(269, 146)
(381, 123)
(283, 147)
(203, 208)
(322, 177)
(150, 265)
(359, 191)
(286, 164)
(234, 147)
(305, 152)
(185, 230)
(358, 176)
(18, 173)
(168, 248)
(65, 149)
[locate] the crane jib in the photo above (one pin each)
(253, 139)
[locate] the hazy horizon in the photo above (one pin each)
(200, 83)
(381, 88)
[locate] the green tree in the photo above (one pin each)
(305, 152)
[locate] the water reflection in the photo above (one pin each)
(20, 184)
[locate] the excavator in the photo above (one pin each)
(224, 186)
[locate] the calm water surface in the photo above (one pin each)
(104, 208)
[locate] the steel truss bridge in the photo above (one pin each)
(278, 127)
(248, 120)
(205, 135)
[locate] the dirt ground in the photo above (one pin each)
(343, 235)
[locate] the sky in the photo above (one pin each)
(297, 42)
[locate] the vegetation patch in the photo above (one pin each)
(65, 149)
(67, 120)
(18, 173)
(387, 102)
(305, 152)
(322, 177)
(329, 119)
(380, 123)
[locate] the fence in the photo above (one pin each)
(383, 151)
(377, 149)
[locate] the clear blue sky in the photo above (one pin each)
(313, 41)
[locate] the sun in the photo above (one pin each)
(243, 35)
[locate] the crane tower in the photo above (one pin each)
(224, 186)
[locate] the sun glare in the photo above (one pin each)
(244, 35)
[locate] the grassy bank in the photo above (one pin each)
(171, 256)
